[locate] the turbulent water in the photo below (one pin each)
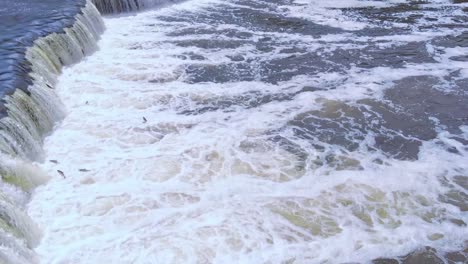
(248, 131)
(36, 41)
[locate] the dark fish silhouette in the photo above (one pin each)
(61, 173)
(84, 170)
(54, 161)
(86, 102)
(144, 120)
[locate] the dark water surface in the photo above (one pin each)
(401, 122)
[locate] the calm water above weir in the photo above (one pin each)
(22, 22)
(249, 131)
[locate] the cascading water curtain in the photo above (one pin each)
(30, 116)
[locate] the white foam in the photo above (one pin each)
(211, 188)
(330, 12)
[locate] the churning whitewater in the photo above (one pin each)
(242, 131)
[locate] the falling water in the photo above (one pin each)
(246, 131)
(122, 6)
(30, 116)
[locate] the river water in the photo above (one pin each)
(22, 22)
(242, 131)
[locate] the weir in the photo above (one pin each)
(121, 6)
(28, 114)
(294, 149)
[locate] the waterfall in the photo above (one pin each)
(121, 6)
(30, 115)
